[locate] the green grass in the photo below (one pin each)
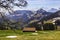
(42, 35)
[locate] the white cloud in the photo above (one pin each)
(37, 4)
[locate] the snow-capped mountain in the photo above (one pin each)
(53, 10)
(20, 15)
(27, 12)
(41, 11)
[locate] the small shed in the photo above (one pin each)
(29, 29)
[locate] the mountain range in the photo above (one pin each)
(26, 16)
(30, 14)
(54, 15)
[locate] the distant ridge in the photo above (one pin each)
(53, 10)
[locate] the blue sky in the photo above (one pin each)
(45, 4)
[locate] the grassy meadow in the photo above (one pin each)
(40, 35)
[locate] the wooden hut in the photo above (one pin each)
(29, 29)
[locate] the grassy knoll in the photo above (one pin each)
(42, 35)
